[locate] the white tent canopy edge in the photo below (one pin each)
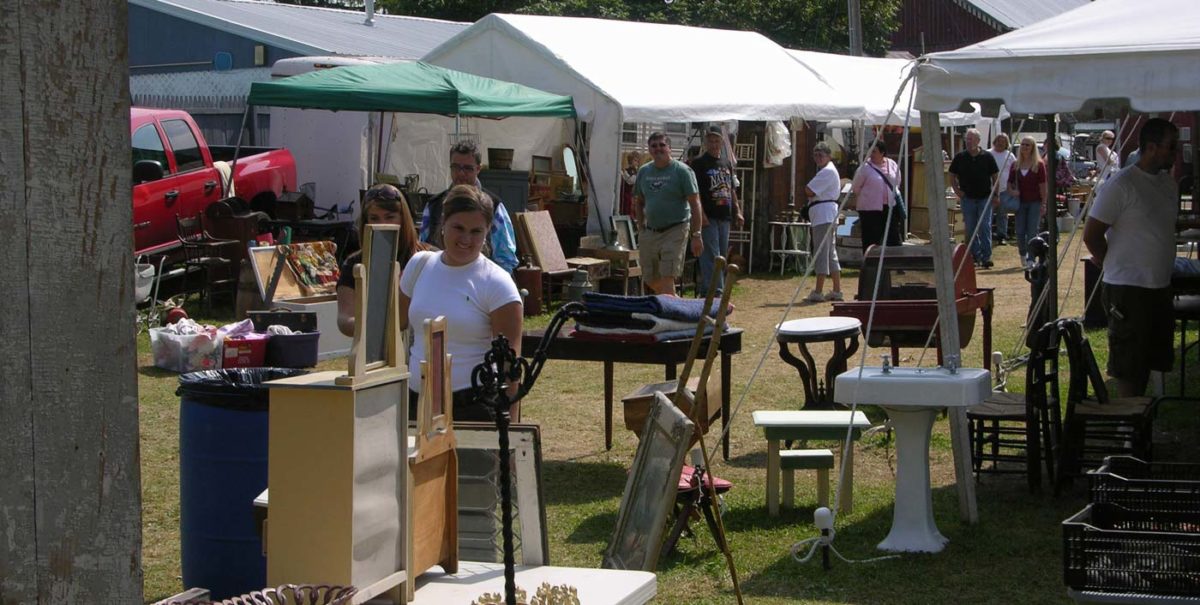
(605, 66)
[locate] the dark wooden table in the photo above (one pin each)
(843, 332)
(669, 354)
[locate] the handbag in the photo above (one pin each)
(899, 209)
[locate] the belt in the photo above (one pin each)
(666, 228)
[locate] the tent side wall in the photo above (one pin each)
(497, 54)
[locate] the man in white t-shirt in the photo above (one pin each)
(1131, 235)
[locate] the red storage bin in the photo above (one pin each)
(247, 351)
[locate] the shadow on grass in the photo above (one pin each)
(155, 372)
(1013, 525)
(577, 482)
(596, 529)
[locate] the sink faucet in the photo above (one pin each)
(952, 363)
(886, 358)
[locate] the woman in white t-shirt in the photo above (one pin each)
(477, 297)
(1005, 160)
(823, 191)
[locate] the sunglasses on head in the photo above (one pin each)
(385, 193)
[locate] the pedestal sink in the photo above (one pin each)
(912, 398)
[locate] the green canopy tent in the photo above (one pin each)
(409, 88)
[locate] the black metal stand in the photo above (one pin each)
(1038, 277)
(502, 367)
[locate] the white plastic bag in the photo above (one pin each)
(186, 352)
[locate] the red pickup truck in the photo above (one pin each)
(174, 175)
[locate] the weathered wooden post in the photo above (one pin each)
(939, 232)
(69, 466)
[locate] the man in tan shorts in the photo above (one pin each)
(666, 207)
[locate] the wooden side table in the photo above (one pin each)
(843, 332)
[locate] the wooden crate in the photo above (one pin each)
(637, 403)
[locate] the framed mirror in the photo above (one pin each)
(622, 225)
(650, 490)
(571, 165)
(479, 536)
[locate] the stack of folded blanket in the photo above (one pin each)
(641, 319)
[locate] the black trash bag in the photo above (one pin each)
(233, 388)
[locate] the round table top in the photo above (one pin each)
(815, 329)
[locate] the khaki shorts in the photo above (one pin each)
(661, 252)
(1141, 331)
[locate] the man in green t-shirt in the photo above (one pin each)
(666, 207)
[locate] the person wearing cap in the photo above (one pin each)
(666, 208)
(718, 201)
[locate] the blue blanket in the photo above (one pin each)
(666, 307)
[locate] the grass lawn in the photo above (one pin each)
(1013, 555)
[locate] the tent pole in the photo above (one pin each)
(1051, 216)
(792, 190)
(227, 188)
(943, 247)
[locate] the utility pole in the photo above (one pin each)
(854, 11)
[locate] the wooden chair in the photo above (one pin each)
(433, 465)
(202, 254)
(1017, 432)
(1096, 425)
(537, 238)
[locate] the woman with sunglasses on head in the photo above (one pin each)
(1027, 182)
(382, 205)
(478, 298)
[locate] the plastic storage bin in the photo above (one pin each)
(1111, 549)
(293, 350)
(1147, 486)
(222, 468)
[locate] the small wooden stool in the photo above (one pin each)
(791, 461)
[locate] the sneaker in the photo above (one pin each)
(987, 264)
(835, 295)
(815, 297)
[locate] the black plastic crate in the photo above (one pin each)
(1147, 486)
(1109, 548)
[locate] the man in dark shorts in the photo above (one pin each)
(1130, 232)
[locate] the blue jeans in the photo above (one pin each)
(716, 243)
(1029, 219)
(1008, 205)
(975, 211)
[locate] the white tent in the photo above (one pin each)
(1109, 53)
(876, 84)
(620, 71)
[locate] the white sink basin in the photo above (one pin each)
(934, 387)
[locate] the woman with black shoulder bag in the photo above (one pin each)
(874, 189)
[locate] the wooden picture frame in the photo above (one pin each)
(542, 164)
(650, 489)
(626, 232)
(479, 537)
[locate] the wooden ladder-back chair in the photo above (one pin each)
(1017, 432)
(202, 254)
(1096, 425)
(433, 464)
(538, 240)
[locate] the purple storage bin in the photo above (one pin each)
(293, 350)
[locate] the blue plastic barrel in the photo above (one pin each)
(222, 467)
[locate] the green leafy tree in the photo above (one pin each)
(806, 24)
